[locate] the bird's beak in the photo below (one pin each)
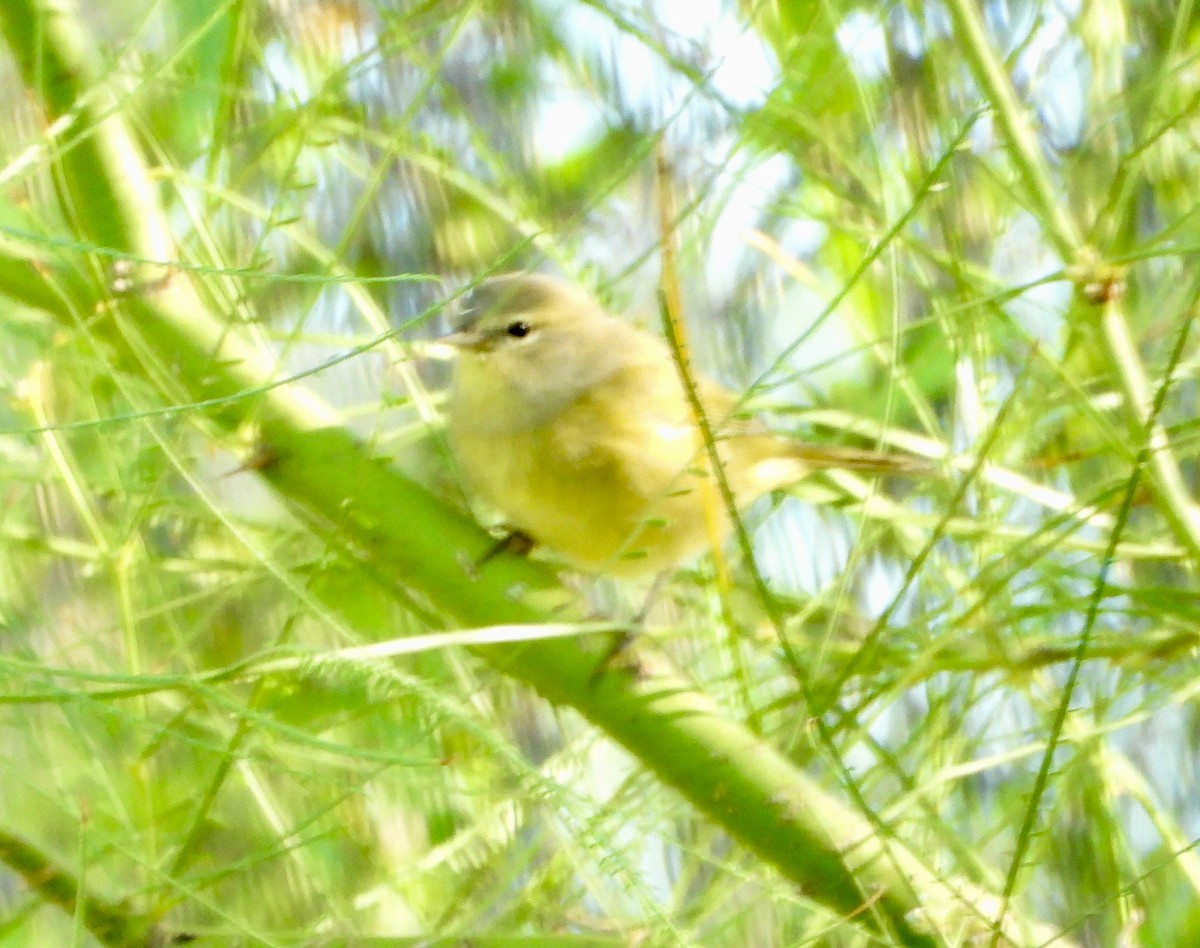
(471, 339)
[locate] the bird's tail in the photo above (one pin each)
(824, 456)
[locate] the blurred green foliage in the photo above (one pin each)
(846, 196)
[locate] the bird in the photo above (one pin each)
(578, 428)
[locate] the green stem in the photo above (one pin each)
(1013, 120)
(111, 923)
(1170, 493)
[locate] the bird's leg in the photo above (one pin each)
(618, 654)
(618, 657)
(513, 541)
(656, 590)
(516, 542)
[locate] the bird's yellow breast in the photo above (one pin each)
(609, 492)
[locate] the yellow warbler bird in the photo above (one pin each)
(577, 427)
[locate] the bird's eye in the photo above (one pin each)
(519, 329)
